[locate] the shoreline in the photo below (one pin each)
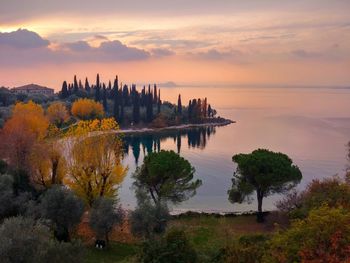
(176, 127)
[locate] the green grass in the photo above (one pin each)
(208, 234)
(117, 252)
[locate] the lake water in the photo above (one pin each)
(311, 125)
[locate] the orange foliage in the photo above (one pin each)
(87, 109)
(57, 113)
(26, 126)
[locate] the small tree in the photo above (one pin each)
(148, 219)
(265, 172)
(167, 176)
(87, 109)
(104, 215)
(64, 209)
(57, 113)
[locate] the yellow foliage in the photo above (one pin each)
(87, 109)
(95, 167)
(85, 127)
(47, 164)
(57, 113)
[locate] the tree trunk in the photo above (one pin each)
(260, 215)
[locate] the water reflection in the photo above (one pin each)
(151, 142)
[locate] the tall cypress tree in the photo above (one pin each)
(121, 117)
(64, 91)
(75, 87)
(179, 105)
(104, 98)
(210, 111)
(116, 99)
(149, 109)
(136, 107)
(97, 88)
(155, 100)
(159, 102)
(205, 107)
(189, 110)
(87, 85)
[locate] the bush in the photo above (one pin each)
(324, 234)
(247, 249)
(24, 240)
(174, 248)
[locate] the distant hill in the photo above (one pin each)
(169, 84)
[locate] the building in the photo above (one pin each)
(33, 89)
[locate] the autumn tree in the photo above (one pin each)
(167, 177)
(87, 109)
(264, 172)
(47, 164)
(57, 113)
(94, 164)
(27, 125)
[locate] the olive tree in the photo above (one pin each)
(104, 215)
(167, 177)
(264, 172)
(148, 218)
(63, 208)
(26, 240)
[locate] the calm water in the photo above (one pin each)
(311, 125)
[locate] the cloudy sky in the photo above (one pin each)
(186, 41)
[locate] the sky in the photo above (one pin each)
(255, 42)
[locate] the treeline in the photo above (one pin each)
(130, 106)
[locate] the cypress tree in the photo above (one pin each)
(115, 93)
(149, 109)
(64, 91)
(97, 89)
(155, 100)
(159, 102)
(104, 98)
(190, 110)
(179, 105)
(87, 85)
(80, 85)
(205, 107)
(136, 107)
(125, 95)
(210, 111)
(75, 87)
(121, 117)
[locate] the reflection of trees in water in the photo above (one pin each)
(151, 142)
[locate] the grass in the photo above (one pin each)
(208, 234)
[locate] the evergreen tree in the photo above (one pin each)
(155, 100)
(199, 109)
(87, 85)
(64, 91)
(205, 107)
(159, 102)
(116, 99)
(121, 117)
(143, 97)
(179, 105)
(104, 98)
(190, 110)
(149, 109)
(210, 111)
(136, 107)
(97, 88)
(75, 87)
(194, 110)
(80, 85)
(125, 95)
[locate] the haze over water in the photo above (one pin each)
(311, 125)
